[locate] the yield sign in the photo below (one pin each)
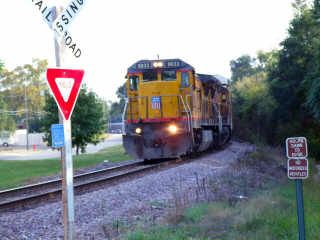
(65, 85)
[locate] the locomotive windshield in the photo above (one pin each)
(133, 82)
(168, 75)
(184, 79)
(150, 75)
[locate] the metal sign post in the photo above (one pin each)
(297, 152)
(300, 209)
(68, 206)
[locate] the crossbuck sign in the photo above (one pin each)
(62, 22)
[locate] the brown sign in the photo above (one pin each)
(296, 147)
(297, 168)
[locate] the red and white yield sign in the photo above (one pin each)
(297, 168)
(296, 147)
(65, 85)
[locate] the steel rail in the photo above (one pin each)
(23, 194)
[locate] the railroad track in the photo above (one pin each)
(19, 198)
(30, 196)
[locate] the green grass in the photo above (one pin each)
(14, 173)
(273, 215)
(266, 216)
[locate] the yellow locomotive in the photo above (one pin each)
(172, 111)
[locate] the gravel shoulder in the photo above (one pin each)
(142, 200)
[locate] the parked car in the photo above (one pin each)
(6, 139)
(4, 142)
(118, 131)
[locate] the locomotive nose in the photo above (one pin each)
(157, 143)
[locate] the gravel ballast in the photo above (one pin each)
(134, 200)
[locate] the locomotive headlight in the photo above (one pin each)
(138, 130)
(157, 64)
(173, 129)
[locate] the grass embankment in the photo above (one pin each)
(268, 213)
(14, 173)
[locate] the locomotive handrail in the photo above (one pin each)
(187, 102)
(191, 127)
(123, 115)
(191, 120)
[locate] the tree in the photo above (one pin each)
(7, 124)
(87, 119)
(35, 124)
(1, 65)
(294, 80)
(312, 78)
(105, 109)
(266, 61)
(241, 67)
(291, 79)
(253, 107)
(23, 87)
(116, 112)
(122, 92)
(117, 107)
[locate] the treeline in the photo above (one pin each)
(277, 94)
(21, 95)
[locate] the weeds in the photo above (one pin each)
(236, 204)
(232, 186)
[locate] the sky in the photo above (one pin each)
(113, 35)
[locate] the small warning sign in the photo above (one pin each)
(297, 168)
(57, 134)
(296, 147)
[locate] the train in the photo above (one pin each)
(172, 111)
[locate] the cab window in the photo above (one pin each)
(185, 79)
(224, 97)
(148, 76)
(168, 75)
(133, 82)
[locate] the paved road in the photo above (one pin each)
(115, 139)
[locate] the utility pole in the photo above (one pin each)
(26, 117)
(67, 178)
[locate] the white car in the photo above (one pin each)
(5, 142)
